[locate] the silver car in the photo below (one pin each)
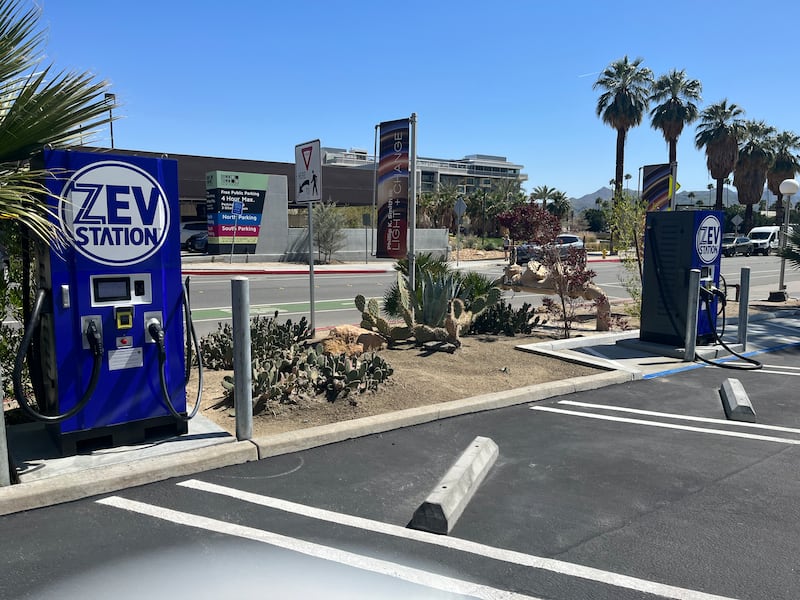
(563, 242)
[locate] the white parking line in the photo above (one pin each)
(770, 372)
(737, 434)
(652, 413)
(350, 559)
(509, 556)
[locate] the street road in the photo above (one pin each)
(334, 294)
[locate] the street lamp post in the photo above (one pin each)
(788, 188)
(111, 99)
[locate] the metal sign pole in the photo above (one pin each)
(308, 182)
(311, 266)
(235, 227)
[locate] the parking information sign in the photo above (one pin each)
(307, 172)
(237, 207)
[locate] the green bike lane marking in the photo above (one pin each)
(199, 314)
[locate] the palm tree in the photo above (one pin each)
(560, 205)
(786, 164)
(37, 107)
(755, 159)
(543, 193)
(718, 132)
(691, 196)
(677, 96)
(626, 87)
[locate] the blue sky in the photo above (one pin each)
(253, 78)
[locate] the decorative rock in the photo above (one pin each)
(371, 341)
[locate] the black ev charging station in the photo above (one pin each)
(675, 243)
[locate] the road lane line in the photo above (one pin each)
(652, 413)
(500, 554)
(343, 557)
(737, 434)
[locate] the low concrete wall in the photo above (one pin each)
(360, 243)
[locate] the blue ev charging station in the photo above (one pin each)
(107, 327)
(676, 243)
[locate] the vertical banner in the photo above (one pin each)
(392, 196)
(226, 190)
(656, 186)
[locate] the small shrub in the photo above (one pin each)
(268, 339)
(501, 318)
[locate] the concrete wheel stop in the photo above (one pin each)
(442, 508)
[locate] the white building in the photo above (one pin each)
(468, 174)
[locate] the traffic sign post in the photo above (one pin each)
(308, 188)
(460, 209)
(236, 209)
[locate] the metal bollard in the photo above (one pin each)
(5, 467)
(690, 339)
(744, 301)
(242, 363)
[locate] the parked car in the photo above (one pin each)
(198, 242)
(733, 244)
(563, 242)
(765, 239)
(190, 228)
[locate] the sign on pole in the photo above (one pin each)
(307, 172)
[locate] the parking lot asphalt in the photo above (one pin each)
(48, 479)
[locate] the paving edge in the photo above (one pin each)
(102, 480)
(303, 439)
(107, 479)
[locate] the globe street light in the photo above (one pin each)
(788, 188)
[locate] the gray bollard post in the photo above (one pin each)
(5, 468)
(744, 301)
(242, 363)
(690, 339)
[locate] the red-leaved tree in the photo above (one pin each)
(530, 223)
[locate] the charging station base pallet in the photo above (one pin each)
(113, 436)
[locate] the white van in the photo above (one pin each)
(765, 239)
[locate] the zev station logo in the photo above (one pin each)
(708, 240)
(115, 213)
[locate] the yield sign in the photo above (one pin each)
(307, 172)
(307, 151)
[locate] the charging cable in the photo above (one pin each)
(95, 341)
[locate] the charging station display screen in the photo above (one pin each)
(112, 289)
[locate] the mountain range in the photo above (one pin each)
(730, 197)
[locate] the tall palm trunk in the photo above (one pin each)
(720, 185)
(673, 151)
(748, 217)
(618, 176)
(779, 210)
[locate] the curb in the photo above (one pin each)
(324, 271)
(102, 480)
(266, 271)
(312, 437)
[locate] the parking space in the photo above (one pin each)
(635, 490)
